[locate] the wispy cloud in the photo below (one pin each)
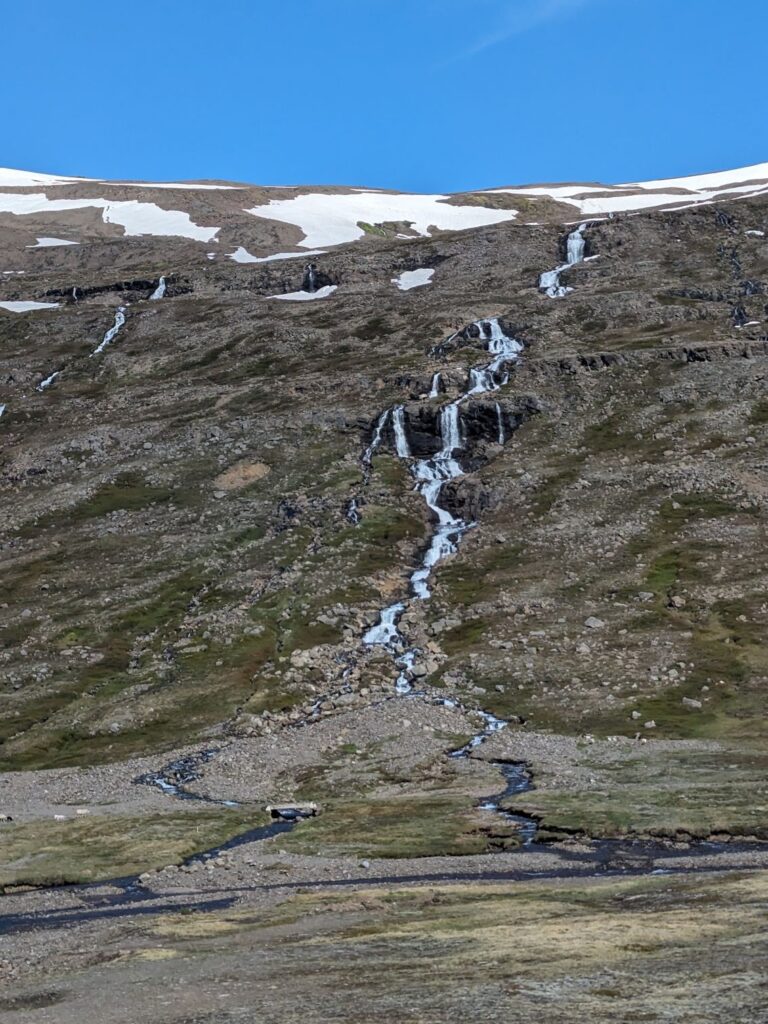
(521, 16)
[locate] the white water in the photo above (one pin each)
(549, 282)
(377, 436)
(431, 475)
(385, 633)
(501, 436)
(44, 384)
(112, 332)
(3, 407)
(159, 292)
(434, 391)
(401, 438)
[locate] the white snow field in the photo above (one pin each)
(134, 217)
(413, 279)
(26, 307)
(333, 219)
(10, 178)
(241, 255)
(178, 185)
(594, 200)
(321, 293)
(50, 243)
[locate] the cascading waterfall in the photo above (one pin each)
(159, 292)
(431, 475)
(434, 391)
(112, 332)
(549, 282)
(385, 633)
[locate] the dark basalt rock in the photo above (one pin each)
(76, 293)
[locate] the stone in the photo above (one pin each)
(594, 623)
(649, 725)
(689, 702)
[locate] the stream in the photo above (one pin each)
(429, 476)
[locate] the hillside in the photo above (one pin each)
(196, 551)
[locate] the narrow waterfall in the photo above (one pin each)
(501, 437)
(309, 284)
(401, 437)
(450, 430)
(352, 511)
(159, 292)
(434, 391)
(112, 332)
(549, 282)
(378, 433)
(44, 384)
(3, 407)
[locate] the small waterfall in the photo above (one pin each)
(385, 633)
(405, 662)
(549, 282)
(435, 389)
(500, 423)
(112, 332)
(352, 513)
(44, 384)
(74, 294)
(401, 438)
(310, 278)
(378, 433)
(450, 430)
(576, 245)
(159, 292)
(3, 407)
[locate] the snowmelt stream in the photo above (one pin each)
(549, 281)
(430, 476)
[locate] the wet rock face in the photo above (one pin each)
(314, 279)
(481, 422)
(141, 288)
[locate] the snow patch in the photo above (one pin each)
(241, 255)
(134, 217)
(321, 293)
(25, 307)
(413, 279)
(10, 178)
(334, 219)
(49, 243)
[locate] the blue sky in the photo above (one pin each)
(424, 95)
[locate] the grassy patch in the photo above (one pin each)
(92, 849)
(410, 826)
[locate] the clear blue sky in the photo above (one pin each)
(425, 95)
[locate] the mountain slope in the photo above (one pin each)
(193, 547)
